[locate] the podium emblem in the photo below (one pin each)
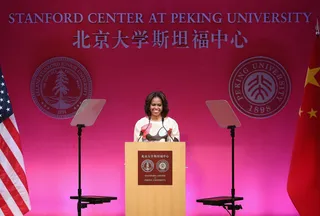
(162, 165)
(154, 167)
(147, 165)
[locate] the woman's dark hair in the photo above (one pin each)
(162, 96)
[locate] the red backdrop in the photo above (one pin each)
(188, 76)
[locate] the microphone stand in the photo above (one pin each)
(173, 139)
(142, 131)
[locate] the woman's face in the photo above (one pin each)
(156, 107)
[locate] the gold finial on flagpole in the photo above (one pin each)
(317, 28)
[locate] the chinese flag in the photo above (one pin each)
(304, 174)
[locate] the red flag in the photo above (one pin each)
(14, 194)
(304, 174)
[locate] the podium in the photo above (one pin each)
(155, 178)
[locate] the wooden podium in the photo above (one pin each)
(155, 178)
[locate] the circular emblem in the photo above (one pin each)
(59, 85)
(162, 166)
(259, 87)
(147, 165)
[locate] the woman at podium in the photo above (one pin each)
(156, 126)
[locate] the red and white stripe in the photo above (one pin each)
(14, 194)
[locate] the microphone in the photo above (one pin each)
(173, 139)
(141, 133)
(143, 130)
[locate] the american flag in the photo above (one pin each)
(14, 193)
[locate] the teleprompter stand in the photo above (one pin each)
(86, 116)
(226, 118)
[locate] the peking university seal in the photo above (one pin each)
(59, 85)
(259, 87)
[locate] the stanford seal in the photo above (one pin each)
(59, 86)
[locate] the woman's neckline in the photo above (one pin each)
(157, 120)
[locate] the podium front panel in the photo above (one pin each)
(160, 188)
